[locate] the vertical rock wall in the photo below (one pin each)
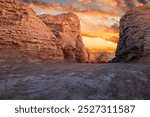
(134, 42)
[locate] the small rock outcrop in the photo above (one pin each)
(134, 42)
(103, 57)
(66, 27)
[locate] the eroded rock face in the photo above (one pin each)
(134, 42)
(104, 57)
(66, 28)
(21, 30)
(91, 56)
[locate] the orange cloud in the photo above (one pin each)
(99, 45)
(103, 32)
(52, 7)
(112, 37)
(85, 1)
(93, 26)
(99, 12)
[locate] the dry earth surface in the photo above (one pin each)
(22, 78)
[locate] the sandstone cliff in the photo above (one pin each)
(54, 38)
(134, 42)
(66, 28)
(21, 30)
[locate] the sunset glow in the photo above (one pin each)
(99, 45)
(99, 19)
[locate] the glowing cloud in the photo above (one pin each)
(99, 18)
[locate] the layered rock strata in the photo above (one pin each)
(22, 30)
(66, 28)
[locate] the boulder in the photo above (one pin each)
(103, 57)
(21, 30)
(66, 27)
(134, 42)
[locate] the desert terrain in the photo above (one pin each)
(44, 57)
(35, 79)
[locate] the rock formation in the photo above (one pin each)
(21, 30)
(134, 42)
(91, 56)
(54, 38)
(66, 28)
(103, 57)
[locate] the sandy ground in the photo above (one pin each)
(33, 79)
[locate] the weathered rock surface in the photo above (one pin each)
(56, 38)
(22, 30)
(66, 28)
(91, 56)
(34, 79)
(103, 57)
(134, 42)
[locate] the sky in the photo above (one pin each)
(99, 19)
